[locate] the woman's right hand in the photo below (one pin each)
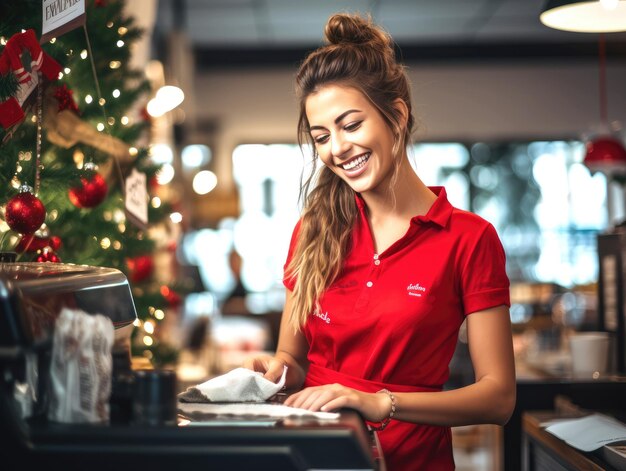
(271, 367)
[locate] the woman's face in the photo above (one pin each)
(351, 137)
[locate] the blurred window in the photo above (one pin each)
(545, 204)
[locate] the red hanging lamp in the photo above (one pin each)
(605, 152)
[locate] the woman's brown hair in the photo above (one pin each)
(360, 55)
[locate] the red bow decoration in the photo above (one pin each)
(11, 60)
(65, 99)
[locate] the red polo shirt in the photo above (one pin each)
(392, 319)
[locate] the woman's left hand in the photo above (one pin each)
(373, 407)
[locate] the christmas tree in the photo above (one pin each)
(62, 197)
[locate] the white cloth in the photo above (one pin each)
(238, 385)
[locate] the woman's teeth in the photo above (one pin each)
(356, 163)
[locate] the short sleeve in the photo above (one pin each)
(484, 282)
(290, 280)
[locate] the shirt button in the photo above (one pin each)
(376, 262)
(375, 256)
(369, 284)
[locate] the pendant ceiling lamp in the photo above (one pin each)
(605, 152)
(585, 16)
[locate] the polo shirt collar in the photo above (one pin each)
(439, 212)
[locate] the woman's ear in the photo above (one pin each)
(403, 111)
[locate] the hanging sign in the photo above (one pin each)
(61, 16)
(136, 200)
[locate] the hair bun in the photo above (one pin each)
(343, 28)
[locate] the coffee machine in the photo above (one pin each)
(32, 295)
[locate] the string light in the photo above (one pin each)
(105, 243)
(122, 30)
(165, 174)
(125, 121)
(147, 340)
(119, 216)
(83, 54)
(88, 99)
(52, 41)
(78, 157)
(102, 101)
(100, 127)
(148, 327)
(120, 43)
(116, 93)
(115, 64)
(67, 70)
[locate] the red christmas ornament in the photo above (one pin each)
(47, 255)
(55, 242)
(25, 212)
(65, 99)
(153, 183)
(145, 115)
(172, 298)
(91, 191)
(140, 268)
(33, 243)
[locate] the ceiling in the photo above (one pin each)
(253, 32)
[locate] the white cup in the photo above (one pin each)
(590, 353)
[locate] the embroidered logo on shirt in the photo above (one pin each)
(323, 316)
(416, 290)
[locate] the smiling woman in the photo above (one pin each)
(346, 140)
(382, 270)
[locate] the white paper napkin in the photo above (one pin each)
(238, 385)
